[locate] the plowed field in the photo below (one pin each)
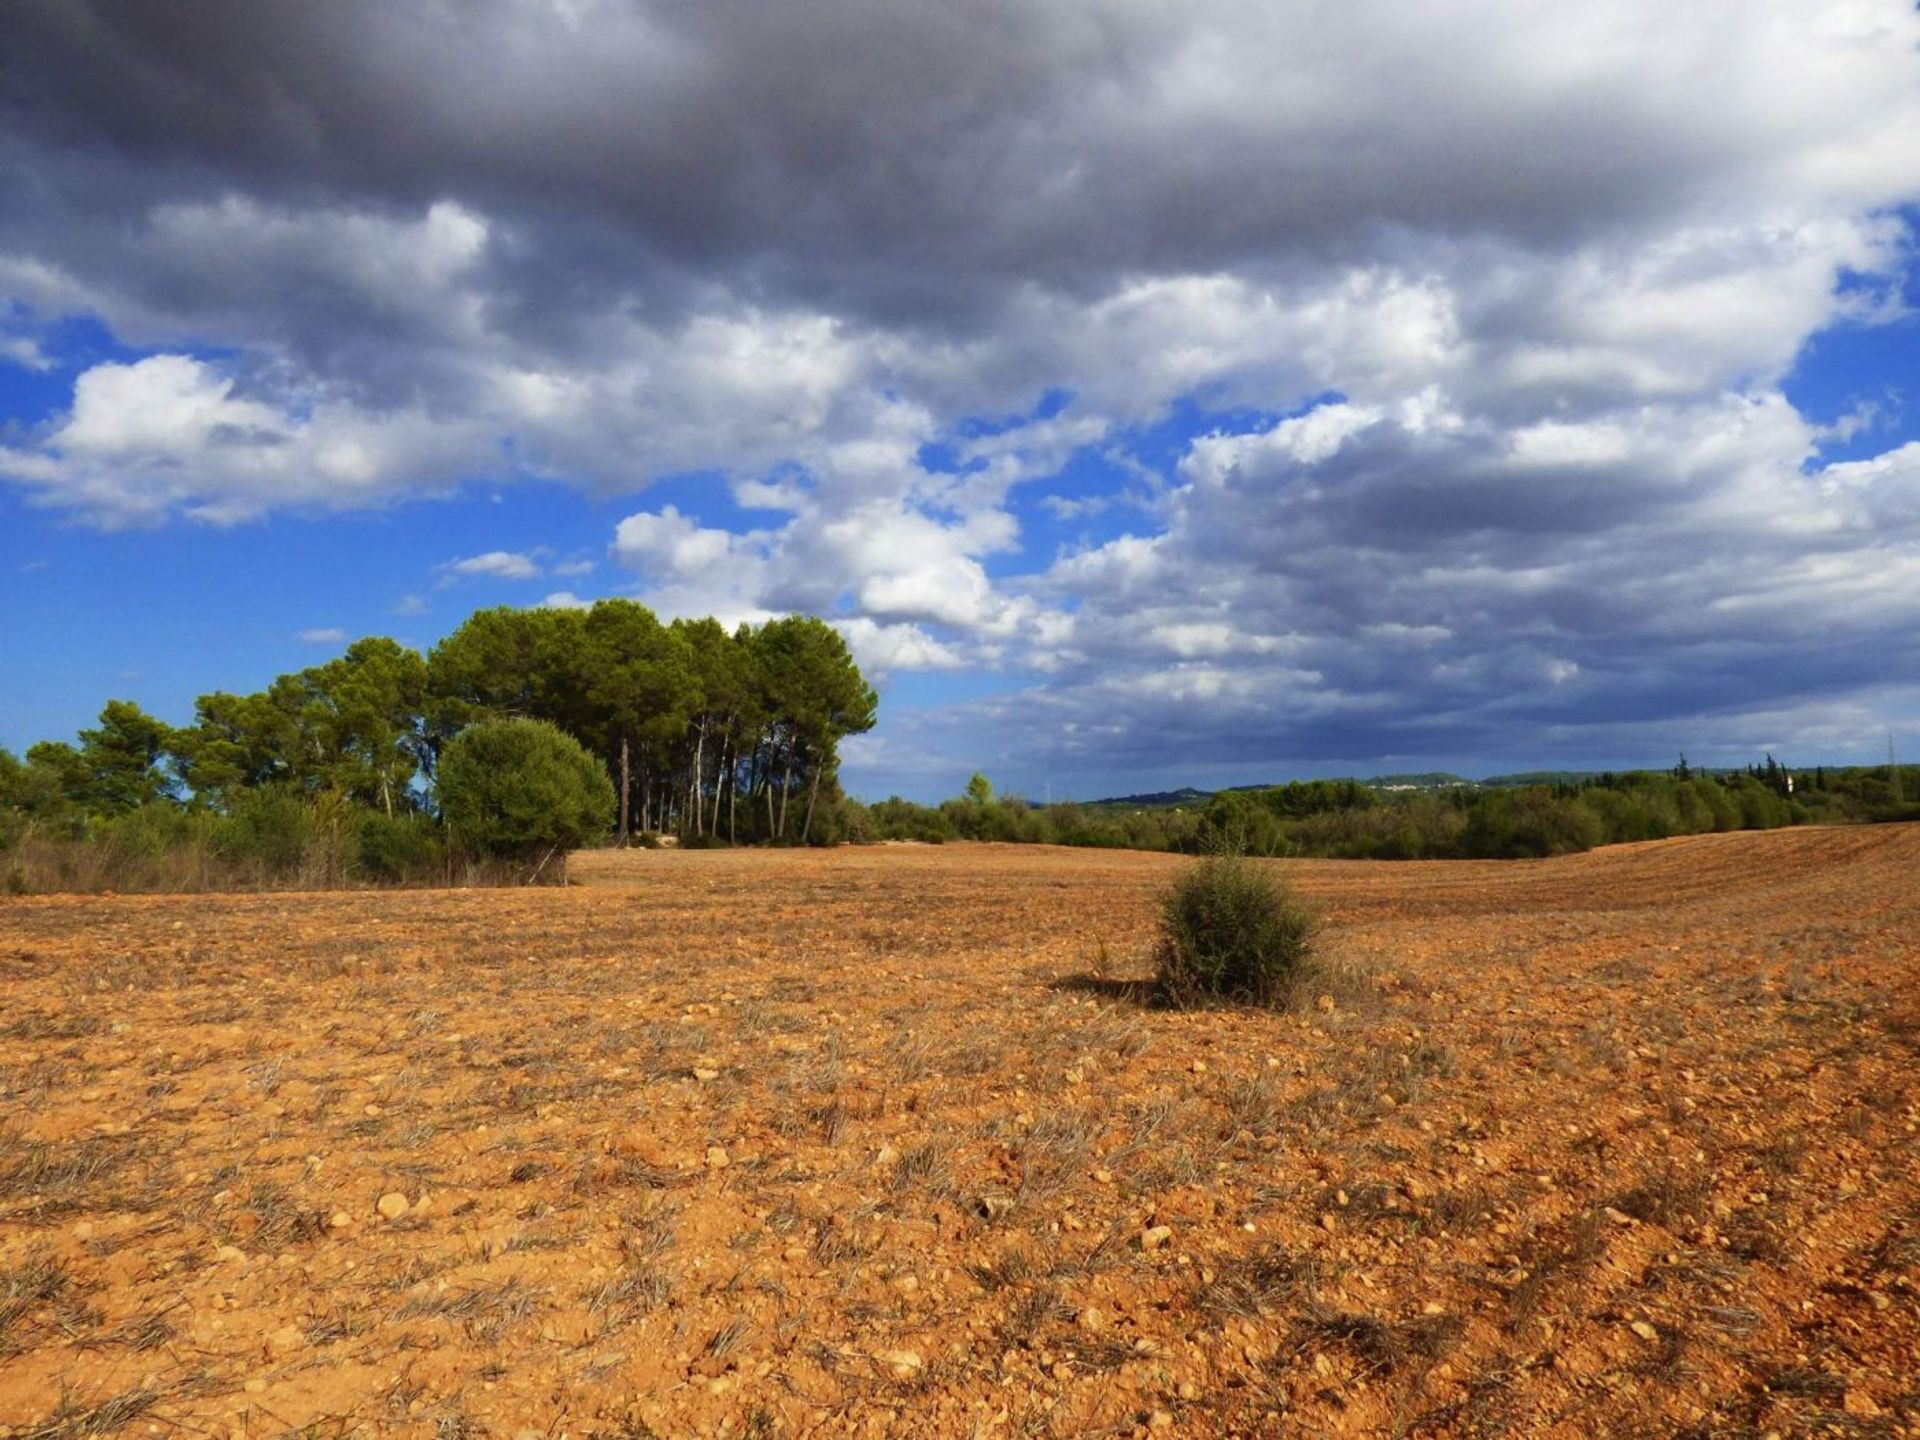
(883, 1142)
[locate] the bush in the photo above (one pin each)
(1230, 930)
(1523, 824)
(517, 788)
(270, 828)
(397, 847)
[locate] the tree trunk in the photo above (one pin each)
(699, 774)
(786, 784)
(813, 790)
(626, 789)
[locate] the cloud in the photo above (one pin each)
(1450, 400)
(565, 600)
(323, 635)
(175, 433)
(494, 565)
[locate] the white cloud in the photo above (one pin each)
(880, 650)
(323, 635)
(495, 565)
(565, 600)
(172, 432)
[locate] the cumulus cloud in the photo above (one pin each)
(495, 565)
(1488, 358)
(324, 635)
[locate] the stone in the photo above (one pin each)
(903, 1363)
(1155, 1237)
(705, 1076)
(339, 1220)
(717, 1158)
(1644, 1330)
(1092, 1319)
(392, 1205)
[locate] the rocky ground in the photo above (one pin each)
(883, 1142)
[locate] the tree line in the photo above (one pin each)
(1349, 819)
(710, 734)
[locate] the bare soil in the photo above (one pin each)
(884, 1142)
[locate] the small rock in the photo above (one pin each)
(1860, 1404)
(1188, 1390)
(339, 1220)
(392, 1205)
(903, 1363)
(1093, 1319)
(83, 1231)
(1644, 1330)
(705, 1076)
(717, 1158)
(231, 1252)
(1160, 1420)
(254, 1386)
(1155, 1236)
(1433, 1307)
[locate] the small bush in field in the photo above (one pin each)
(515, 788)
(1231, 930)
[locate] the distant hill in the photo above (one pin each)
(1156, 800)
(1188, 796)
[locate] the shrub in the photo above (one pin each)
(270, 828)
(1518, 824)
(1231, 930)
(516, 788)
(397, 847)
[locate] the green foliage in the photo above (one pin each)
(517, 788)
(1520, 824)
(391, 848)
(270, 828)
(1230, 930)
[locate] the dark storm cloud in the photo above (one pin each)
(876, 158)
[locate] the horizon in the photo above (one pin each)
(1147, 405)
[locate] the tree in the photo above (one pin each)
(517, 788)
(119, 762)
(980, 790)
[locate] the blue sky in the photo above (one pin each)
(1145, 410)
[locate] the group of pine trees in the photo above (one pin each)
(713, 734)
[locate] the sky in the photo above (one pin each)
(1152, 393)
